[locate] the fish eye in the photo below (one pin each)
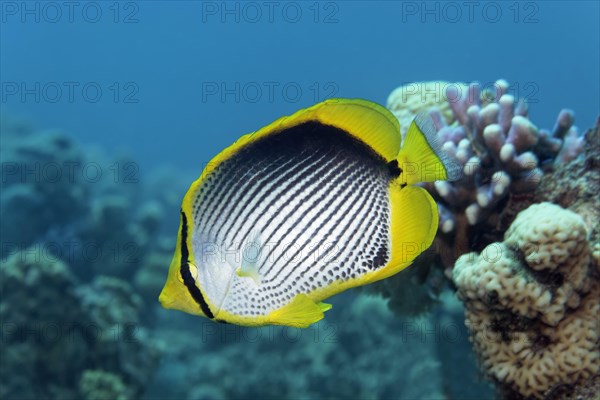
(193, 271)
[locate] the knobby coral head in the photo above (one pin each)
(532, 303)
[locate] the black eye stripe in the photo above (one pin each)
(186, 275)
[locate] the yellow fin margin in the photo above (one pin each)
(365, 120)
(414, 223)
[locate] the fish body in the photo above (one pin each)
(311, 205)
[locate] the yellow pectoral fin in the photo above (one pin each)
(414, 225)
(325, 306)
(301, 312)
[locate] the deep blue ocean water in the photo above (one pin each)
(140, 85)
(203, 73)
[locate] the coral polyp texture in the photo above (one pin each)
(67, 340)
(406, 101)
(532, 303)
(503, 156)
(576, 186)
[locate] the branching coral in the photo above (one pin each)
(533, 302)
(503, 157)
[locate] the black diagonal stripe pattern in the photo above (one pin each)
(340, 217)
(374, 223)
(238, 189)
(280, 184)
(228, 178)
(249, 189)
(260, 212)
(311, 182)
(341, 177)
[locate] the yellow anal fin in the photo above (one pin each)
(301, 312)
(421, 157)
(414, 223)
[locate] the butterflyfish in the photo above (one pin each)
(311, 205)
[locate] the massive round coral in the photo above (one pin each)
(531, 305)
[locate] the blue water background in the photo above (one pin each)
(171, 54)
(179, 82)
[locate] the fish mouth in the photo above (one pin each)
(175, 296)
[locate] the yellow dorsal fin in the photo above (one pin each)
(421, 158)
(414, 223)
(365, 120)
(301, 312)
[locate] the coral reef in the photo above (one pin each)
(38, 179)
(75, 324)
(150, 278)
(38, 310)
(530, 317)
(533, 303)
(363, 352)
(415, 291)
(406, 101)
(56, 332)
(101, 385)
(576, 185)
(503, 157)
(92, 211)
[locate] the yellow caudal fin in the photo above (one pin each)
(414, 223)
(300, 313)
(421, 158)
